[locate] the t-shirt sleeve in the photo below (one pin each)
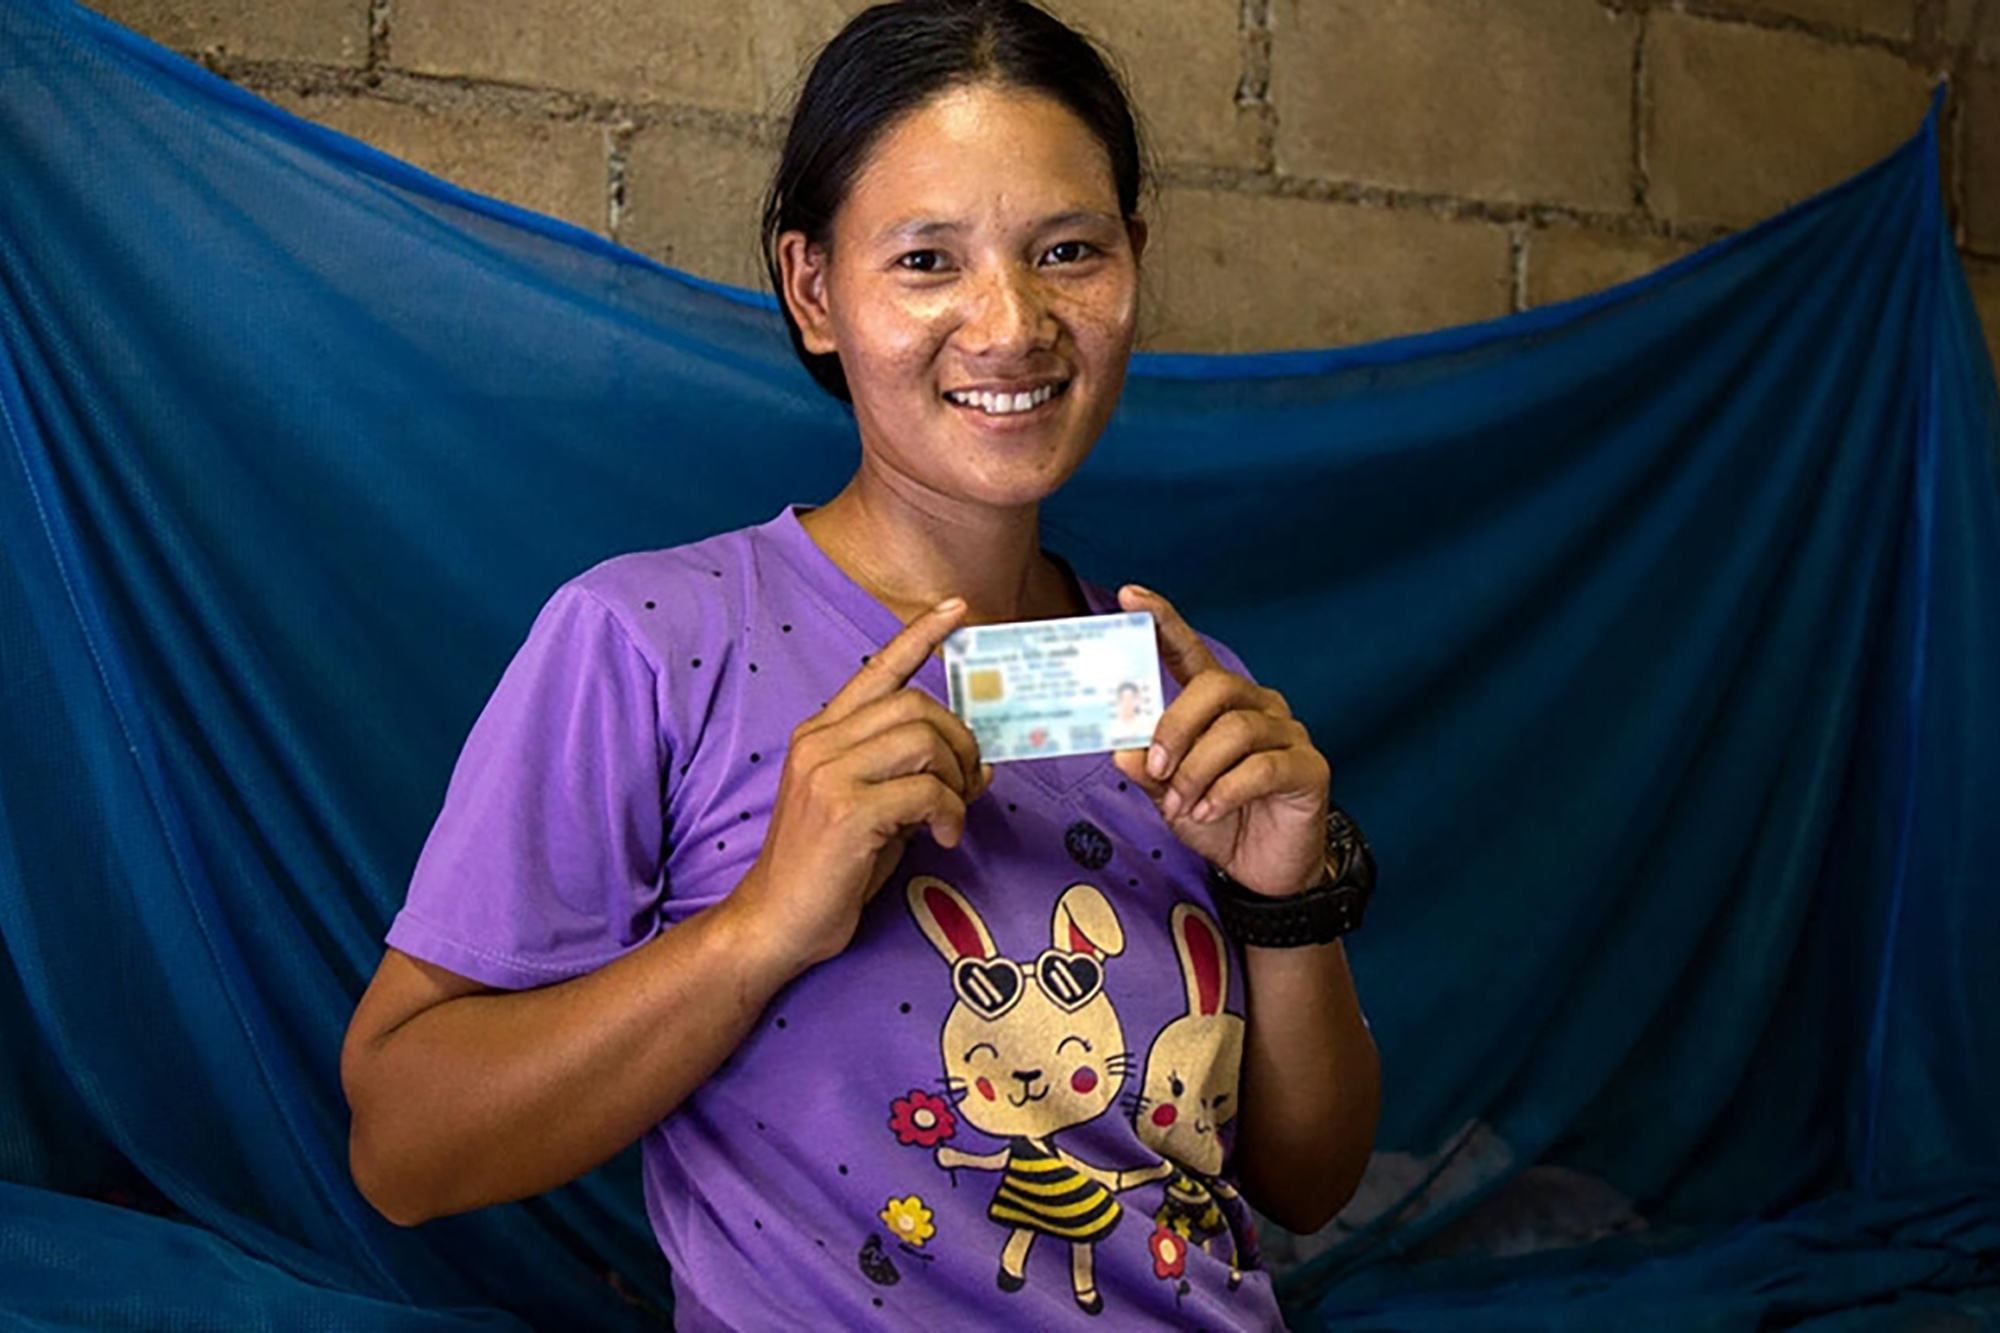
(545, 862)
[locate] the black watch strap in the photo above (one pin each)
(1321, 914)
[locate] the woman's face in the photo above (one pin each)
(981, 291)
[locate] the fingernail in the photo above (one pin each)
(1141, 589)
(1156, 761)
(1204, 812)
(950, 604)
(1172, 805)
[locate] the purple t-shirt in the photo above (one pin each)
(1005, 1105)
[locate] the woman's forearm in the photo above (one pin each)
(486, 1096)
(1312, 1085)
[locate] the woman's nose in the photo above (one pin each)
(1009, 315)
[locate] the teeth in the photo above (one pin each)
(1003, 404)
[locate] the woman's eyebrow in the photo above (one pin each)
(1078, 217)
(928, 229)
(920, 229)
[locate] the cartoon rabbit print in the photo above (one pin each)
(1190, 1090)
(1030, 1050)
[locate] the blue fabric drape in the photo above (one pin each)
(1655, 636)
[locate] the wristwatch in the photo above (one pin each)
(1322, 913)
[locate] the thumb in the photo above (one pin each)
(1132, 764)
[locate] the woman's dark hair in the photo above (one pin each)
(892, 59)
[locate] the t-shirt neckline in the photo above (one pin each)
(864, 608)
(877, 624)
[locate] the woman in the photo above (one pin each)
(907, 1037)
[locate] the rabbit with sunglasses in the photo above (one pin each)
(1031, 1050)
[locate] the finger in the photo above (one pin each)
(1206, 698)
(899, 709)
(1182, 651)
(1132, 763)
(1232, 738)
(890, 667)
(903, 751)
(1289, 773)
(921, 801)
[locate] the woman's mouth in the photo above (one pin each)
(1000, 403)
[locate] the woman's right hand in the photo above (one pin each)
(861, 777)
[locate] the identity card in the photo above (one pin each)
(1041, 689)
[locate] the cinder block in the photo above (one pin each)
(552, 167)
(327, 32)
(1986, 295)
(1565, 262)
(1745, 120)
(1884, 18)
(692, 200)
(745, 55)
(1979, 124)
(1244, 273)
(1184, 60)
(1958, 27)
(1526, 100)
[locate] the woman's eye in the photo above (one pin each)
(921, 261)
(1068, 252)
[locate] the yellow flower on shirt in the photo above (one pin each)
(908, 1220)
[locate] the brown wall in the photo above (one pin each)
(1335, 171)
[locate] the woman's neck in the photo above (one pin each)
(912, 555)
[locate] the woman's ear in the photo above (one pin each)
(802, 267)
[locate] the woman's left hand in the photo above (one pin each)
(1233, 773)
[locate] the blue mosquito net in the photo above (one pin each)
(1656, 636)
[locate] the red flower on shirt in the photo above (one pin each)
(922, 1119)
(1169, 1253)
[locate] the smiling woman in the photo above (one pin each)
(652, 905)
(980, 293)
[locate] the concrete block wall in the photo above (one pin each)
(1332, 171)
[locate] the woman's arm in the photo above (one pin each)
(463, 1095)
(1312, 1085)
(1239, 781)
